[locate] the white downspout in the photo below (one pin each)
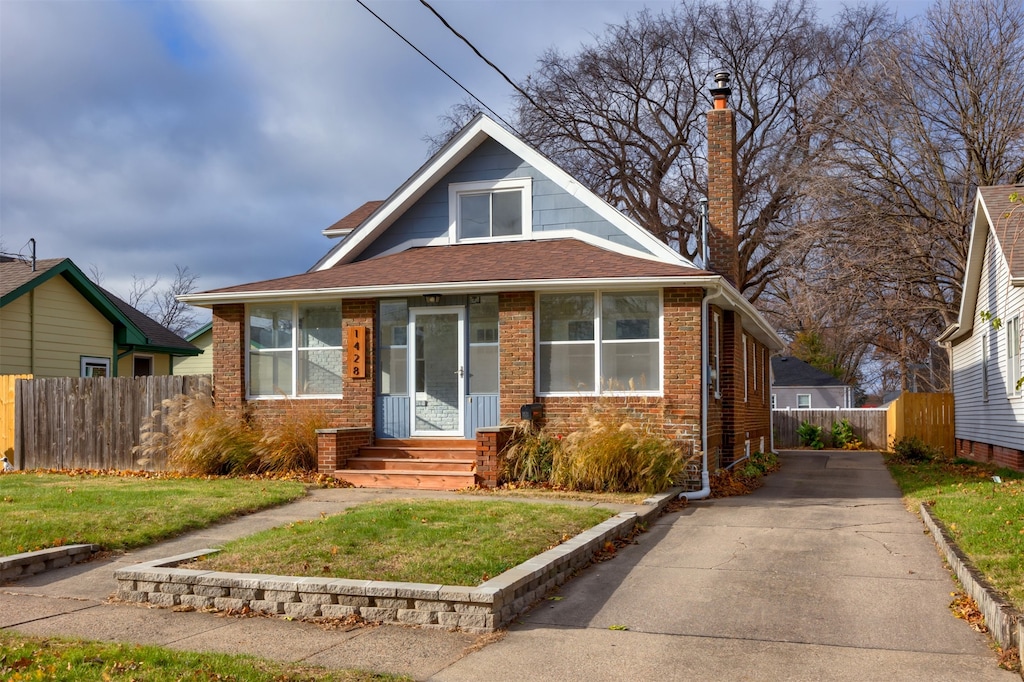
(705, 478)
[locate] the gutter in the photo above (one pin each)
(705, 477)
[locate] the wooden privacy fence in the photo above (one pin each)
(7, 382)
(868, 423)
(928, 416)
(89, 423)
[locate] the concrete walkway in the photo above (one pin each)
(820, 575)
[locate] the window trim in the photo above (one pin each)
(716, 369)
(86, 361)
(458, 189)
(746, 378)
(1013, 357)
(294, 351)
(152, 364)
(598, 343)
(801, 395)
(984, 367)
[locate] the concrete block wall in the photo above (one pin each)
(478, 609)
(30, 563)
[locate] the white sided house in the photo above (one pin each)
(986, 341)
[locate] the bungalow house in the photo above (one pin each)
(797, 385)
(985, 343)
(492, 286)
(55, 322)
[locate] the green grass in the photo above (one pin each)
(38, 658)
(49, 510)
(986, 519)
(451, 542)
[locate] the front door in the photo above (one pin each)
(437, 373)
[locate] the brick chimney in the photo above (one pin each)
(723, 237)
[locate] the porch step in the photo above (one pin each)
(409, 480)
(411, 464)
(421, 463)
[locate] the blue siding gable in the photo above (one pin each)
(553, 207)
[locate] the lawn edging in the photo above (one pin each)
(477, 610)
(1005, 623)
(30, 563)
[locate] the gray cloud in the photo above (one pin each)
(225, 135)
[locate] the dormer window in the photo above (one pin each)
(493, 210)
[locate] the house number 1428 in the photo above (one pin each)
(356, 352)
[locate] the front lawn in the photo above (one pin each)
(985, 517)
(120, 512)
(39, 658)
(451, 542)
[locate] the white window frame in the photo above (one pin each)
(599, 342)
(459, 189)
(984, 367)
(746, 379)
(803, 395)
(774, 401)
(152, 364)
(86, 362)
(716, 367)
(1013, 357)
(753, 363)
(294, 351)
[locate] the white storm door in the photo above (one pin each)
(437, 372)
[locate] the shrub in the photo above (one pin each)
(613, 451)
(190, 434)
(913, 449)
(844, 437)
(616, 452)
(530, 455)
(290, 444)
(811, 435)
(197, 438)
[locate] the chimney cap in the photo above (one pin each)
(722, 92)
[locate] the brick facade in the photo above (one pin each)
(997, 455)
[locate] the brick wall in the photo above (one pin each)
(515, 332)
(997, 455)
(354, 410)
(335, 446)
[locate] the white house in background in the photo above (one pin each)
(985, 342)
(797, 385)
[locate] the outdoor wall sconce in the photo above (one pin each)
(433, 299)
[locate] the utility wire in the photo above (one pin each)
(435, 64)
(501, 73)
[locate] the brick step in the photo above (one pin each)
(373, 462)
(408, 480)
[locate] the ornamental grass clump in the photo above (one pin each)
(610, 450)
(189, 433)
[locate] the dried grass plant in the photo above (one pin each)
(289, 444)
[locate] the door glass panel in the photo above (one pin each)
(438, 373)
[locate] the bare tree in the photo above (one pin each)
(161, 302)
(626, 116)
(914, 128)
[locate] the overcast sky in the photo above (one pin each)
(224, 136)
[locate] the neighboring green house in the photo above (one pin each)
(202, 339)
(55, 322)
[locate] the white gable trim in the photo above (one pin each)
(475, 133)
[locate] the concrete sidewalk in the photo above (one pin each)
(820, 575)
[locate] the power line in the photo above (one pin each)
(435, 64)
(501, 73)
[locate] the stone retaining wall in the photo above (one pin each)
(472, 609)
(29, 563)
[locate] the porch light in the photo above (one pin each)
(433, 299)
